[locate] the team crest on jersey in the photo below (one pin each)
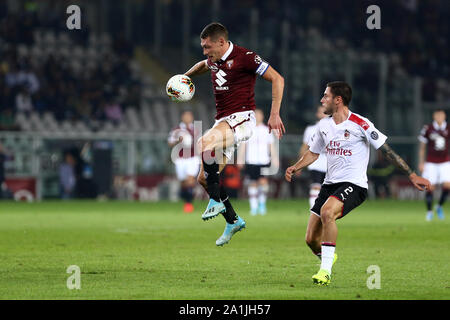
(346, 134)
(258, 59)
(229, 63)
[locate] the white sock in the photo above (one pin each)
(327, 256)
(263, 194)
(313, 193)
(253, 197)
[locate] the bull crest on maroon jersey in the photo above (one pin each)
(229, 64)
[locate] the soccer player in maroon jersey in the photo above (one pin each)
(434, 142)
(233, 75)
(187, 164)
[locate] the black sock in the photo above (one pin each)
(183, 194)
(211, 169)
(429, 200)
(189, 194)
(443, 196)
(229, 215)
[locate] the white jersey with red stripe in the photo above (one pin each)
(347, 146)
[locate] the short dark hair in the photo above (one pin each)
(342, 89)
(214, 30)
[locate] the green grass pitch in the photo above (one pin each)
(128, 250)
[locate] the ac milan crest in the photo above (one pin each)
(346, 134)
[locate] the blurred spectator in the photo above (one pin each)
(2, 171)
(113, 111)
(7, 121)
(23, 101)
(67, 179)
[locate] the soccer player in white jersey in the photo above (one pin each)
(346, 137)
(318, 168)
(256, 153)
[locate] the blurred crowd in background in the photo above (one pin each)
(49, 82)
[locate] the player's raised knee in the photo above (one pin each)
(327, 214)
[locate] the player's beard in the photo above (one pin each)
(329, 110)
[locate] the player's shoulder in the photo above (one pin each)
(360, 121)
(241, 50)
(324, 122)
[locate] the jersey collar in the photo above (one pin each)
(227, 54)
(442, 127)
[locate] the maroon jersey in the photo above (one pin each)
(188, 149)
(233, 80)
(437, 140)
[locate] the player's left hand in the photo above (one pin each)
(275, 123)
(289, 172)
(419, 182)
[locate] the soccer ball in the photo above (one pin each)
(180, 88)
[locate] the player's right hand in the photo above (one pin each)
(419, 182)
(275, 123)
(289, 172)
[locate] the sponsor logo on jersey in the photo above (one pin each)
(258, 59)
(374, 135)
(334, 148)
(221, 78)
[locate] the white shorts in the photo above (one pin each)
(437, 173)
(185, 167)
(242, 124)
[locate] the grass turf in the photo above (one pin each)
(153, 251)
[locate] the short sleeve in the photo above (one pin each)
(173, 136)
(316, 142)
(254, 63)
(307, 135)
(423, 137)
(374, 136)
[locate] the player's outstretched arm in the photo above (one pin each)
(274, 121)
(308, 158)
(198, 68)
(419, 182)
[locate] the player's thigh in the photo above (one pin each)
(444, 174)
(193, 166)
(431, 173)
(331, 210)
(219, 136)
(344, 199)
(325, 192)
(181, 169)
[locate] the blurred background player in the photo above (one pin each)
(435, 166)
(257, 153)
(187, 163)
(233, 75)
(318, 168)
